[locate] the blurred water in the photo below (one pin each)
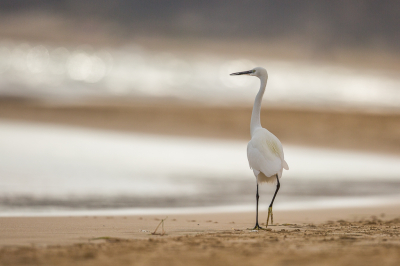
(47, 169)
(47, 71)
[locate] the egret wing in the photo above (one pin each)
(263, 160)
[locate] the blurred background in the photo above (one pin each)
(128, 107)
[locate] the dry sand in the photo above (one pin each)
(350, 236)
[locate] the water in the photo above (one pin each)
(48, 170)
(42, 70)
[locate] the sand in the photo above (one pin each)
(347, 236)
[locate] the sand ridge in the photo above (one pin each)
(343, 236)
(364, 242)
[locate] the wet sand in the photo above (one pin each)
(364, 130)
(347, 236)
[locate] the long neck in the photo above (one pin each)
(255, 115)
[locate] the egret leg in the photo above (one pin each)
(270, 214)
(257, 226)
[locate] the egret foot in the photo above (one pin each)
(256, 227)
(270, 214)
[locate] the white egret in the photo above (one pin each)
(264, 151)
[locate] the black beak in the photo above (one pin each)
(242, 73)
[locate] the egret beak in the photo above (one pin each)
(242, 73)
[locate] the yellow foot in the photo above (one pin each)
(270, 214)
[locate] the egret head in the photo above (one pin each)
(257, 71)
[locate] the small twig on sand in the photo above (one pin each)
(161, 223)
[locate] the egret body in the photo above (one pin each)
(264, 151)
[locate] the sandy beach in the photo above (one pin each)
(123, 136)
(341, 236)
(346, 236)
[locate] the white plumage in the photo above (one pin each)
(264, 151)
(265, 155)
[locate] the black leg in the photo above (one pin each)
(257, 197)
(278, 185)
(257, 226)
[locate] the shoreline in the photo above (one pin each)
(44, 231)
(310, 205)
